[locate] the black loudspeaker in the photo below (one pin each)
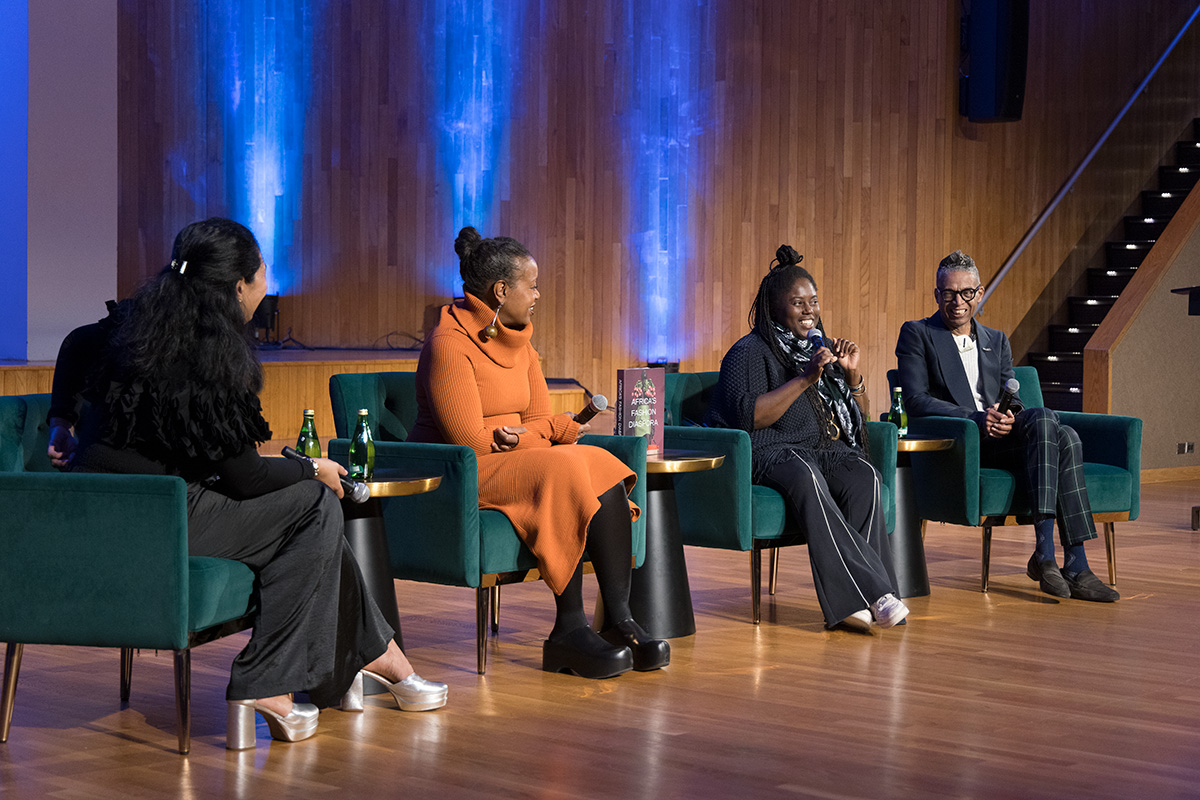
(995, 49)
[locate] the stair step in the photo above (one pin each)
(1106, 281)
(1062, 396)
(1124, 255)
(1177, 179)
(1089, 310)
(1187, 153)
(1145, 228)
(1161, 204)
(1070, 338)
(1058, 367)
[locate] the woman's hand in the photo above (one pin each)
(327, 473)
(583, 429)
(846, 354)
(62, 445)
(506, 437)
(816, 365)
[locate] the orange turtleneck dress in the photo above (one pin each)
(466, 388)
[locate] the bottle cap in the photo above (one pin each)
(308, 412)
(362, 411)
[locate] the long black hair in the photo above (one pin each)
(186, 323)
(482, 262)
(780, 278)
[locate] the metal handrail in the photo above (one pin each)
(1070, 183)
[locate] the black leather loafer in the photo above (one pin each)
(1048, 576)
(648, 654)
(1086, 586)
(585, 653)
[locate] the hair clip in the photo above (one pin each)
(178, 267)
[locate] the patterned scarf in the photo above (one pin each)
(832, 388)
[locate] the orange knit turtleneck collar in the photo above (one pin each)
(471, 315)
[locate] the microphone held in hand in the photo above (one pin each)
(1011, 387)
(597, 404)
(814, 336)
(358, 492)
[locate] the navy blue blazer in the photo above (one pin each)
(932, 376)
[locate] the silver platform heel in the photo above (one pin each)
(352, 700)
(300, 724)
(414, 693)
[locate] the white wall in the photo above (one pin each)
(72, 194)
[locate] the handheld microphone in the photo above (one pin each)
(1011, 387)
(358, 492)
(814, 336)
(597, 404)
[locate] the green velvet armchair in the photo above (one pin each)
(102, 561)
(724, 508)
(950, 485)
(443, 536)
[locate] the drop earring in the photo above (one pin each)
(491, 331)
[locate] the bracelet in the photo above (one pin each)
(857, 390)
(316, 468)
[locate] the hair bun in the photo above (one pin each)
(466, 241)
(787, 256)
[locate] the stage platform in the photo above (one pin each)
(296, 379)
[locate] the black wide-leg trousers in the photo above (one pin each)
(316, 625)
(843, 520)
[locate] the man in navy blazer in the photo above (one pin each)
(952, 366)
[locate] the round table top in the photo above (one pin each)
(922, 444)
(381, 485)
(672, 461)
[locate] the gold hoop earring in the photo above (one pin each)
(491, 331)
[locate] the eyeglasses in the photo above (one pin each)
(948, 295)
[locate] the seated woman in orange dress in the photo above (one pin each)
(479, 385)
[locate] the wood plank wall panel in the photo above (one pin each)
(25, 379)
(832, 126)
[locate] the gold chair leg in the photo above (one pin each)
(756, 585)
(1110, 549)
(126, 673)
(987, 557)
(773, 579)
(495, 604)
(481, 619)
(183, 696)
(8, 695)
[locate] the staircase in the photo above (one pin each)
(1060, 369)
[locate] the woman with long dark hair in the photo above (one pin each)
(479, 384)
(174, 391)
(804, 404)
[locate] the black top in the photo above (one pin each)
(174, 426)
(750, 370)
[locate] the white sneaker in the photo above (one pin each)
(888, 611)
(858, 621)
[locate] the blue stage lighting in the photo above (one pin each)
(472, 54)
(665, 115)
(265, 78)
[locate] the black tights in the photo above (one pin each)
(610, 545)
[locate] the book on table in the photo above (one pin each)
(640, 406)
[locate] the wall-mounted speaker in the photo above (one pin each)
(995, 49)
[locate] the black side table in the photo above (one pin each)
(368, 541)
(908, 539)
(660, 597)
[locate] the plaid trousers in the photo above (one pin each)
(1049, 456)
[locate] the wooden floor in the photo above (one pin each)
(1008, 694)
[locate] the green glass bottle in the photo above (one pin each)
(362, 450)
(897, 415)
(307, 444)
